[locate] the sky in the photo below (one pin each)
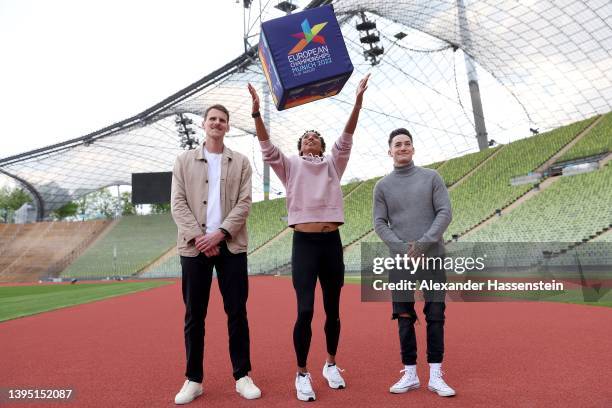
(71, 67)
(68, 67)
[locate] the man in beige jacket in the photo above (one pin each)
(211, 200)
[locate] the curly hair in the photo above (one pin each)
(299, 143)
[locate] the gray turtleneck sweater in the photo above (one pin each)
(412, 204)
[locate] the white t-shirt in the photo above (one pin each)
(213, 207)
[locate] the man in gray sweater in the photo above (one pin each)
(411, 212)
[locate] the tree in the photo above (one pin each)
(70, 209)
(160, 208)
(13, 198)
(97, 204)
(127, 208)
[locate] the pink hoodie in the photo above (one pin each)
(312, 183)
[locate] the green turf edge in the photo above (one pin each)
(125, 288)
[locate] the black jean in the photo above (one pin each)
(434, 316)
(233, 282)
(316, 254)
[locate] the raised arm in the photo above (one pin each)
(351, 124)
(271, 154)
(260, 128)
(341, 151)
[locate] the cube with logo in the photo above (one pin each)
(304, 57)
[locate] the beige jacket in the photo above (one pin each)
(190, 193)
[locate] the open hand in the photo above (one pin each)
(254, 97)
(362, 86)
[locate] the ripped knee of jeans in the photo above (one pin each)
(407, 317)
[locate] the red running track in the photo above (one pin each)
(128, 352)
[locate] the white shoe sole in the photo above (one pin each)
(191, 400)
(441, 393)
(305, 398)
(404, 390)
(334, 386)
(249, 397)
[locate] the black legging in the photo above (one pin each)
(316, 254)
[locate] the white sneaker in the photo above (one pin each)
(409, 381)
(303, 386)
(190, 391)
(333, 377)
(247, 389)
(437, 384)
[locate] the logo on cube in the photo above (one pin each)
(315, 67)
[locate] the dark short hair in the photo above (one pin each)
(318, 135)
(217, 107)
(400, 131)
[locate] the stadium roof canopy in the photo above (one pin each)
(540, 64)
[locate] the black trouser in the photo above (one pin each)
(434, 316)
(316, 254)
(234, 286)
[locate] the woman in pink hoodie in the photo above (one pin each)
(315, 209)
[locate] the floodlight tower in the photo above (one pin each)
(479, 122)
(183, 127)
(370, 36)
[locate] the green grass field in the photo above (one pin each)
(20, 301)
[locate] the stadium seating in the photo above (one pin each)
(573, 208)
(33, 251)
(358, 212)
(352, 254)
(455, 169)
(489, 188)
(606, 236)
(434, 165)
(8, 232)
(165, 268)
(266, 220)
(598, 140)
(135, 240)
(347, 188)
(275, 255)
